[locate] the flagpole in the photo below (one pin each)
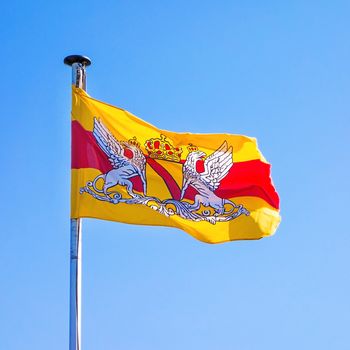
(78, 64)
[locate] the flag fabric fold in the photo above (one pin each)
(216, 187)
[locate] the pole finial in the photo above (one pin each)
(70, 60)
(78, 64)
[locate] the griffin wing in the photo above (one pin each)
(217, 166)
(189, 167)
(107, 142)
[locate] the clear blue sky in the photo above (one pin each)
(276, 70)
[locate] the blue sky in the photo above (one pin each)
(276, 70)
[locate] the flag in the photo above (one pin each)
(216, 187)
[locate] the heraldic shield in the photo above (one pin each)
(216, 187)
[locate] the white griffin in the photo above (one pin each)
(216, 167)
(124, 168)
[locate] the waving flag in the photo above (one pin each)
(216, 187)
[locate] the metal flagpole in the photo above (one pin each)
(78, 64)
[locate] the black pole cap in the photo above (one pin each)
(69, 60)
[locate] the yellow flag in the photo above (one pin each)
(216, 187)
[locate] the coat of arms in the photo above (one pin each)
(128, 161)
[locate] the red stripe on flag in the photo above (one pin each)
(250, 178)
(85, 151)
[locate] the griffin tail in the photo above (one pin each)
(102, 176)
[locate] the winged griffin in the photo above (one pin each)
(216, 167)
(127, 160)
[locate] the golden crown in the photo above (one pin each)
(161, 148)
(134, 142)
(192, 148)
